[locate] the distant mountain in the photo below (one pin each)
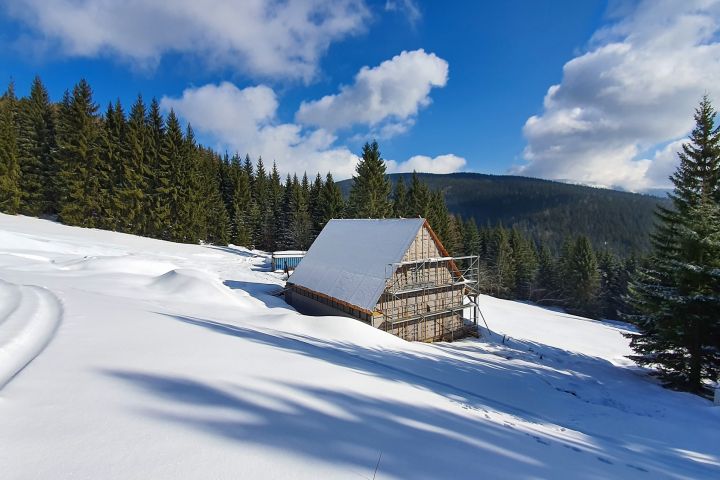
(549, 211)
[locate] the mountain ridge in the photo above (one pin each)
(548, 210)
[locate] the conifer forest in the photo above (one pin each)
(138, 171)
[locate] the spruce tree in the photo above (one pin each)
(332, 202)
(439, 217)
(37, 151)
(547, 282)
(315, 205)
(583, 281)
(272, 226)
(134, 175)
(193, 192)
(158, 173)
(169, 176)
(301, 223)
(418, 201)
(262, 236)
(214, 217)
(525, 262)
(470, 237)
(10, 192)
(242, 199)
(370, 191)
(502, 262)
(79, 155)
(110, 168)
(677, 295)
(453, 241)
(400, 201)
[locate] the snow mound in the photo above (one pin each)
(194, 286)
(132, 264)
(29, 317)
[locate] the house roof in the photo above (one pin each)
(349, 258)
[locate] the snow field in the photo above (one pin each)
(176, 361)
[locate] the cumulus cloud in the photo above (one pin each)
(244, 120)
(260, 37)
(631, 93)
(386, 98)
(447, 163)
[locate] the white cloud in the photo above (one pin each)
(407, 7)
(447, 163)
(634, 91)
(260, 37)
(386, 98)
(244, 120)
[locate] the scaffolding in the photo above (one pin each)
(431, 298)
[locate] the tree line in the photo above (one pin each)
(143, 173)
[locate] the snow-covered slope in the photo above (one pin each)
(149, 359)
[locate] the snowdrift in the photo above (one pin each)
(176, 361)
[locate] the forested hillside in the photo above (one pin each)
(143, 173)
(548, 211)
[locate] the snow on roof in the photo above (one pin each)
(348, 260)
(288, 253)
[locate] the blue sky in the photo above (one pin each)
(443, 86)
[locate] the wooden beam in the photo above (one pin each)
(441, 247)
(329, 298)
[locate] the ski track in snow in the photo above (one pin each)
(29, 317)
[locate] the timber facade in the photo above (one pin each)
(423, 295)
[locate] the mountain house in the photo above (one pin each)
(392, 274)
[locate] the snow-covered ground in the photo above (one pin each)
(148, 359)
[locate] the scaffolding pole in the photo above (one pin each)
(431, 291)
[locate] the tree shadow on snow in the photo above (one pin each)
(265, 292)
(472, 442)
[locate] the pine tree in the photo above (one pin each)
(37, 152)
(10, 192)
(370, 191)
(79, 155)
(677, 295)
